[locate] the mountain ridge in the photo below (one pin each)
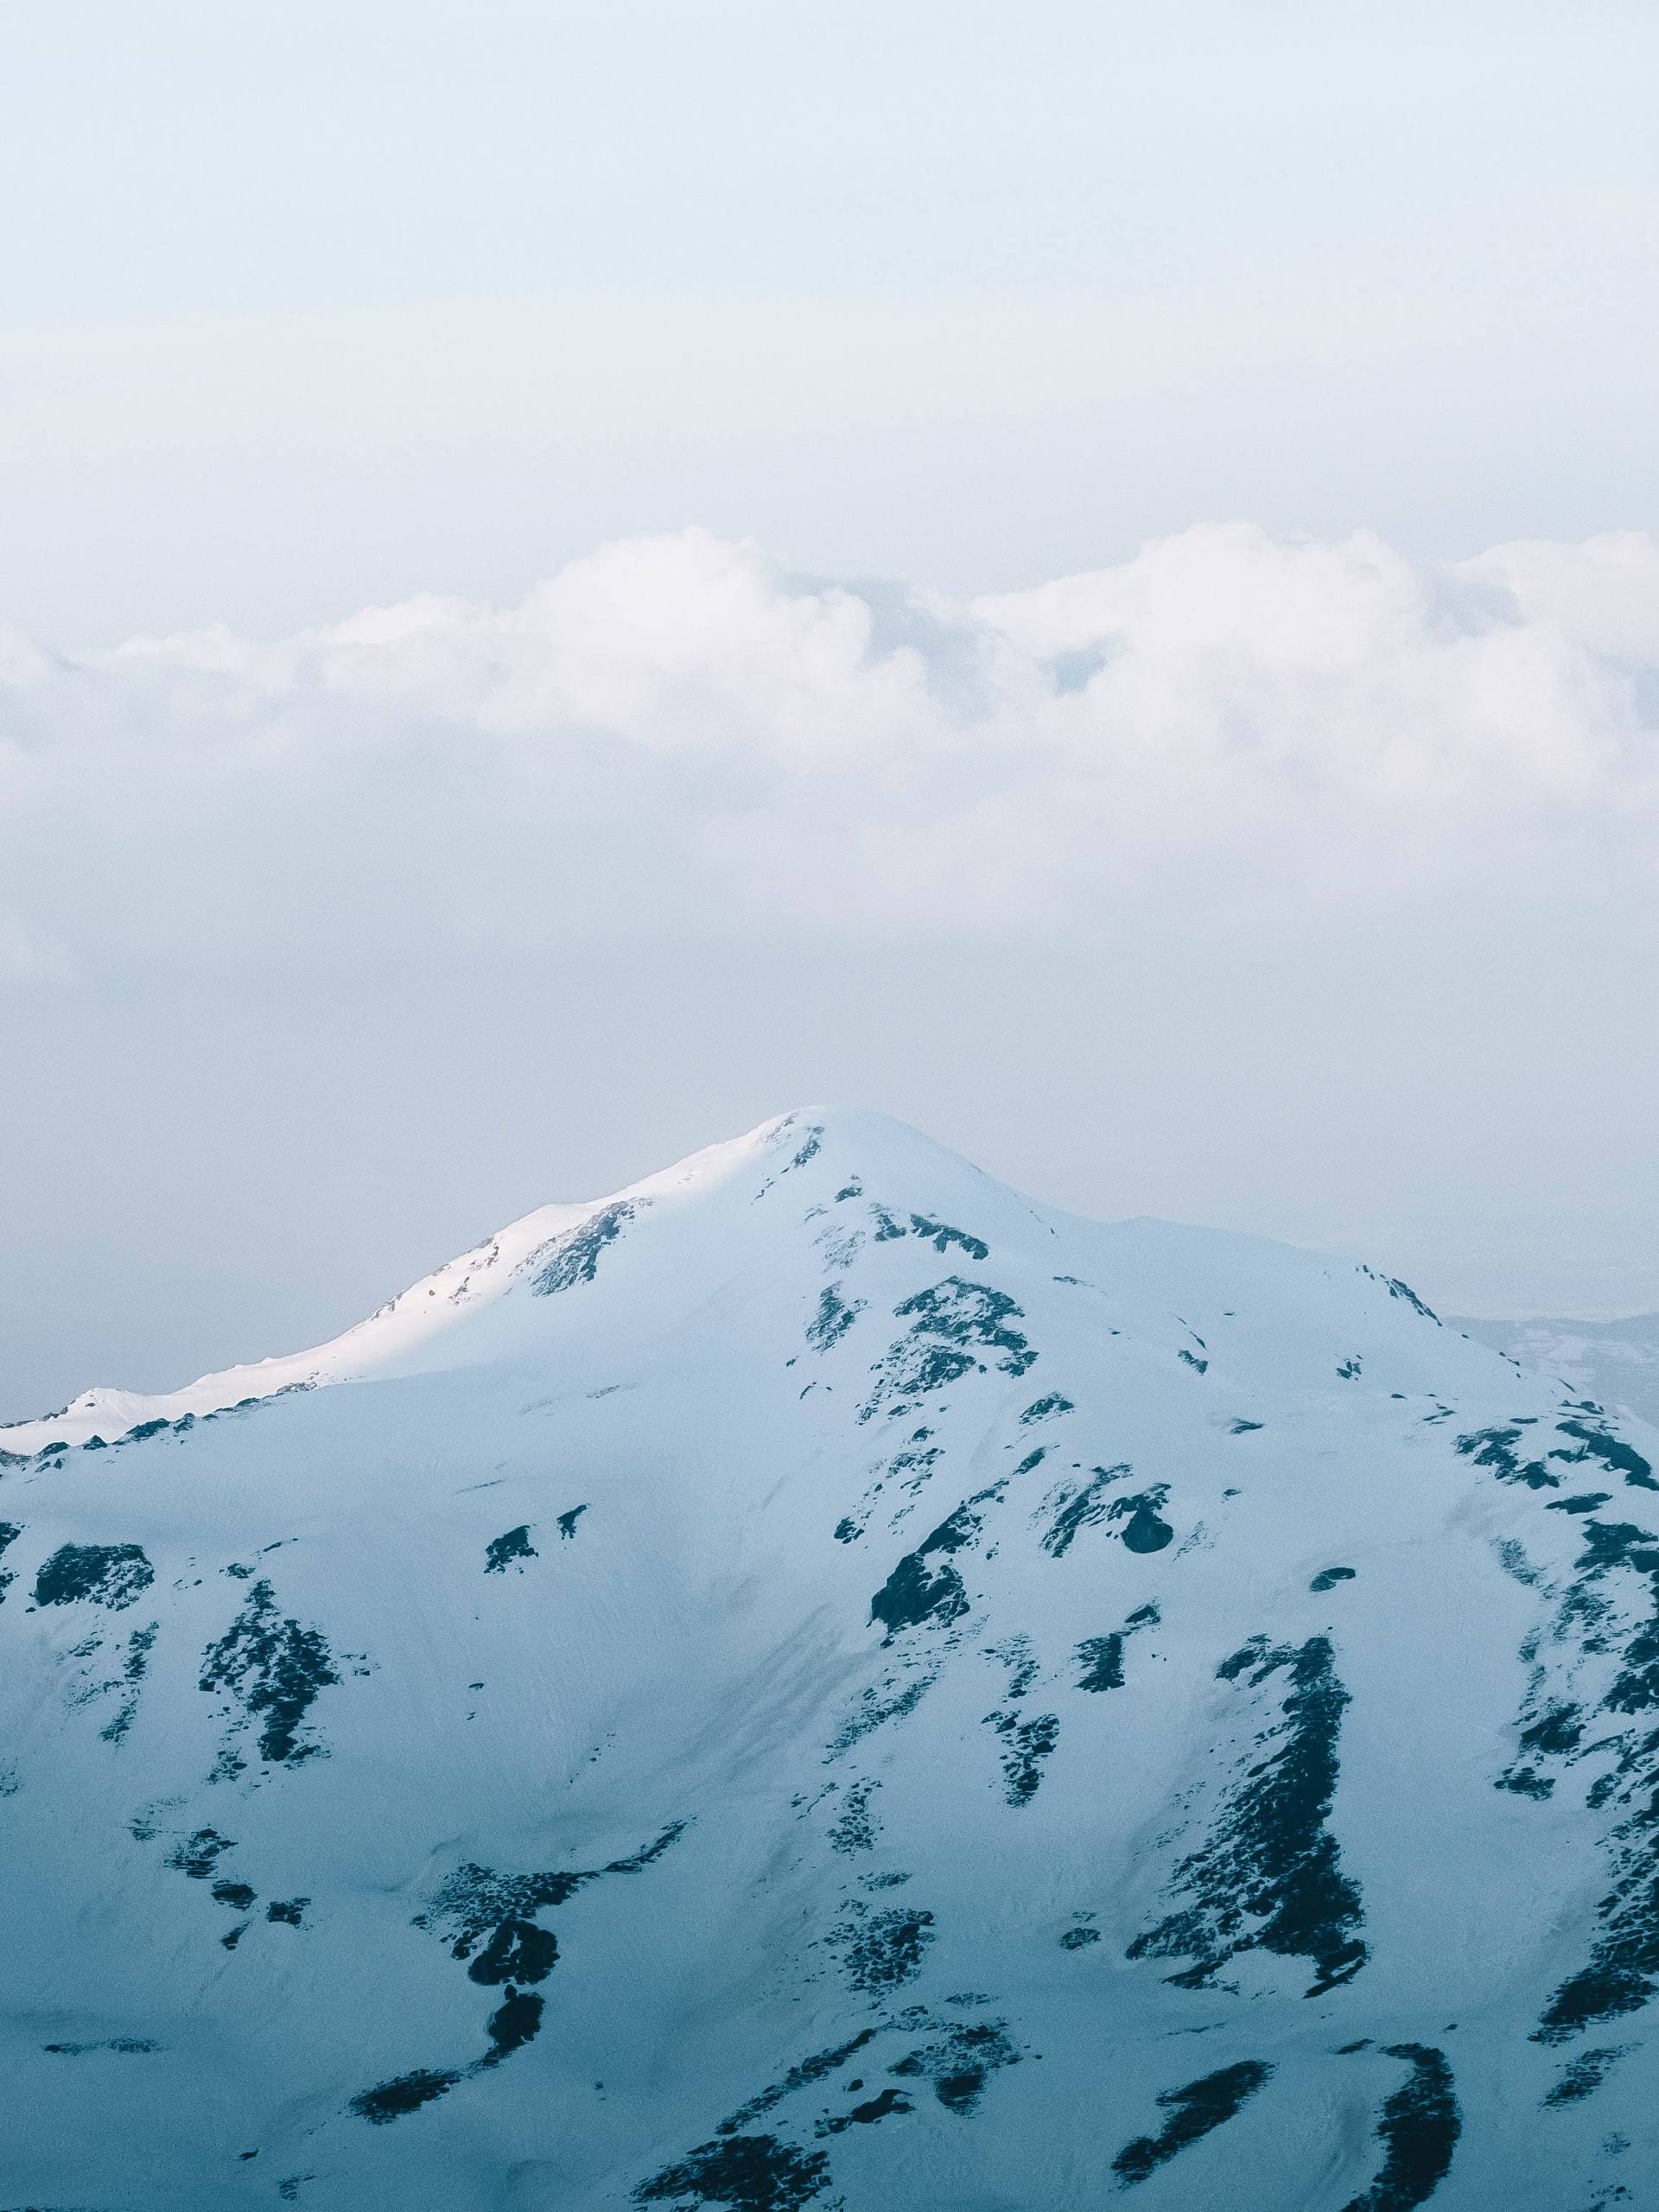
(403, 1325)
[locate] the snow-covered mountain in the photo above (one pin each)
(817, 1682)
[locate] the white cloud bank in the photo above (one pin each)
(676, 733)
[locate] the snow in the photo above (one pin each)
(545, 1609)
(407, 1331)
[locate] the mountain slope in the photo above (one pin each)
(819, 1682)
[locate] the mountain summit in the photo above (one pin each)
(817, 1682)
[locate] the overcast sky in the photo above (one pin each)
(452, 754)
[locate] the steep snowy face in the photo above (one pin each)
(815, 1681)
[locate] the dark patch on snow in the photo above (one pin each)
(133, 1669)
(198, 1855)
(575, 1256)
(880, 2107)
(488, 1918)
(1101, 1658)
(1046, 1409)
(1398, 1289)
(911, 1468)
(1081, 1509)
(1246, 1428)
(112, 1575)
(889, 1700)
(1078, 1938)
(473, 1901)
(237, 1895)
(1495, 1448)
(915, 1593)
(959, 2062)
(1016, 1654)
(1194, 2112)
(515, 2022)
(1613, 1453)
(1622, 1971)
(956, 1327)
(1143, 1530)
(1584, 2076)
(1525, 1781)
(392, 2099)
(1026, 1744)
(130, 2046)
(816, 2068)
(1552, 1728)
(275, 1670)
(1350, 1369)
(566, 1522)
(501, 1551)
(811, 1145)
(1193, 1360)
(289, 1912)
(855, 1830)
(517, 1950)
(941, 1237)
(1588, 1501)
(1269, 1876)
(1328, 1577)
(10, 1532)
(832, 1320)
(746, 2173)
(1418, 2131)
(882, 1951)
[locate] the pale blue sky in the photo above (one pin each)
(303, 305)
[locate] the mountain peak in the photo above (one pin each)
(418, 1321)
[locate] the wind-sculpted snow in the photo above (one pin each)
(816, 1685)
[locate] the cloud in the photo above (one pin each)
(678, 735)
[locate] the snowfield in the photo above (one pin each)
(817, 1682)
